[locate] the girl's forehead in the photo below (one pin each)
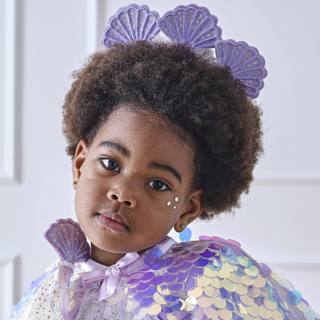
(140, 126)
(145, 135)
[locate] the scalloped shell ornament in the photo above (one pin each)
(68, 240)
(245, 63)
(192, 25)
(130, 24)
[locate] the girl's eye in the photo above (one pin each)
(158, 185)
(110, 165)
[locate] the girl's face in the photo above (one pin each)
(134, 167)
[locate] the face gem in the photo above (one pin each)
(168, 203)
(176, 199)
(174, 207)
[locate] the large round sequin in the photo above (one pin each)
(252, 271)
(279, 274)
(264, 313)
(185, 235)
(204, 238)
(196, 293)
(294, 297)
(259, 282)
(244, 261)
(218, 302)
(211, 313)
(225, 314)
(204, 302)
(154, 310)
(234, 243)
(303, 305)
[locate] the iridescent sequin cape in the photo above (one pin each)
(206, 279)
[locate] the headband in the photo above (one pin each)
(194, 27)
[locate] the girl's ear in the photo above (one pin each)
(191, 211)
(78, 160)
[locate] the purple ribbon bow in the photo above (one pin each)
(110, 275)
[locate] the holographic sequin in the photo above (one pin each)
(294, 297)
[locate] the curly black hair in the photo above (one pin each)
(201, 97)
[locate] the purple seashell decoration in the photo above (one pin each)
(197, 28)
(68, 240)
(192, 25)
(130, 24)
(245, 63)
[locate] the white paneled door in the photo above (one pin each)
(46, 40)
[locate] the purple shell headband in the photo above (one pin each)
(195, 27)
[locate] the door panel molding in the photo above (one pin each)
(8, 267)
(287, 178)
(8, 169)
(96, 22)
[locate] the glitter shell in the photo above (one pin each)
(245, 62)
(130, 24)
(68, 240)
(192, 25)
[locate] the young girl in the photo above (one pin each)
(161, 133)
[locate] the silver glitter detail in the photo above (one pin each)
(176, 199)
(168, 203)
(174, 207)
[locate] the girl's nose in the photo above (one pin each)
(123, 195)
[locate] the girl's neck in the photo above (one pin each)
(104, 257)
(107, 258)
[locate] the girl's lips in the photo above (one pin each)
(112, 224)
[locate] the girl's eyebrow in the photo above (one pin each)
(116, 147)
(166, 167)
(126, 153)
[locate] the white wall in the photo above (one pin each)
(279, 221)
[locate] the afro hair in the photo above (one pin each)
(199, 95)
